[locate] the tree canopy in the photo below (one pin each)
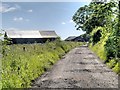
(95, 14)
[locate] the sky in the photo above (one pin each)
(55, 16)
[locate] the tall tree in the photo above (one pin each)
(93, 15)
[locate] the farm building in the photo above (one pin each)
(21, 37)
(71, 38)
(77, 39)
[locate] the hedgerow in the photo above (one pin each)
(100, 20)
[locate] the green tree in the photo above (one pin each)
(94, 15)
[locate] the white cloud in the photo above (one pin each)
(30, 10)
(18, 19)
(71, 21)
(63, 23)
(17, 6)
(6, 8)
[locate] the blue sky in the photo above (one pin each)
(41, 16)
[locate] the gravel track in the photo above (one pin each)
(80, 68)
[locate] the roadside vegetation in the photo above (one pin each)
(0, 62)
(100, 20)
(23, 63)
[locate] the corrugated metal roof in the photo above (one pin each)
(23, 34)
(48, 34)
(70, 38)
(31, 34)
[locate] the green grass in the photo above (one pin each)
(117, 68)
(99, 49)
(23, 63)
(111, 63)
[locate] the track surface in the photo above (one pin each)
(80, 68)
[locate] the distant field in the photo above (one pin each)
(23, 63)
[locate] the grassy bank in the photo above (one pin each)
(23, 63)
(100, 49)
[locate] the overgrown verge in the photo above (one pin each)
(23, 63)
(101, 21)
(98, 45)
(106, 48)
(0, 64)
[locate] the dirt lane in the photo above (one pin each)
(80, 68)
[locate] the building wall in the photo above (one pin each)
(30, 40)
